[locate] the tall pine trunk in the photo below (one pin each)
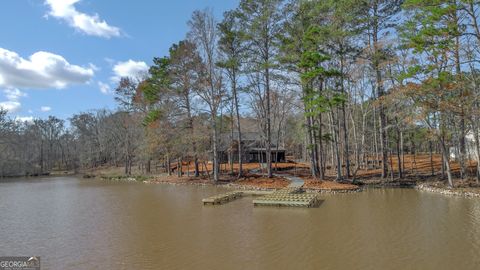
(239, 130)
(380, 91)
(269, 128)
(215, 150)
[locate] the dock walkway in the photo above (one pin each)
(294, 180)
(223, 198)
(291, 196)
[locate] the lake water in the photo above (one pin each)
(77, 223)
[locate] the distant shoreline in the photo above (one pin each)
(468, 192)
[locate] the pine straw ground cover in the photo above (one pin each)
(417, 170)
(328, 185)
(257, 181)
(249, 180)
(262, 182)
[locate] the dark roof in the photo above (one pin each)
(250, 140)
(246, 136)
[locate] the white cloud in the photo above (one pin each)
(89, 24)
(40, 70)
(45, 108)
(93, 67)
(13, 96)
(130, 68)
(10, 106)
(104, 88)
(28, 119)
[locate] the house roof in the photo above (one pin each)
(250, 140)
(246, 136)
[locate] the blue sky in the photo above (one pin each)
(56, 56)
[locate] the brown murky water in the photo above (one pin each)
(89, 224)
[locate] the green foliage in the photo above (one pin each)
(321, 102)
(430, 28)
(431, 34)
(316, 103)
(313, 57)
(230, 42)
(159, 79)
(260, 31)
(152, 116)
(313, 30)
(170, 77)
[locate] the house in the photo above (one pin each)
(253, 145)
(470, 146)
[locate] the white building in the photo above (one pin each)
(470, 147)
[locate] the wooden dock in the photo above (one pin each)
(289, 197)
(230, 196)
(222, 198)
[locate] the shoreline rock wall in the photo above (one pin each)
(448, 191)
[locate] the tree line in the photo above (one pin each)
(346, 85)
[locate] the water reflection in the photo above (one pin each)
(90, 224)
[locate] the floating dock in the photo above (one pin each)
(222, 198)
(289, 197)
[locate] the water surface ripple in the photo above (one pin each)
(90, 224)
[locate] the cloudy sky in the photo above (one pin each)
(60, 57)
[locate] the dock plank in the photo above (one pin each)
(288, 197)
(222, 198)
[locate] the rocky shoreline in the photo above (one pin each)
(462, 192)
(422, 186)
(255, 188)
(224, 185)
(379, 183)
